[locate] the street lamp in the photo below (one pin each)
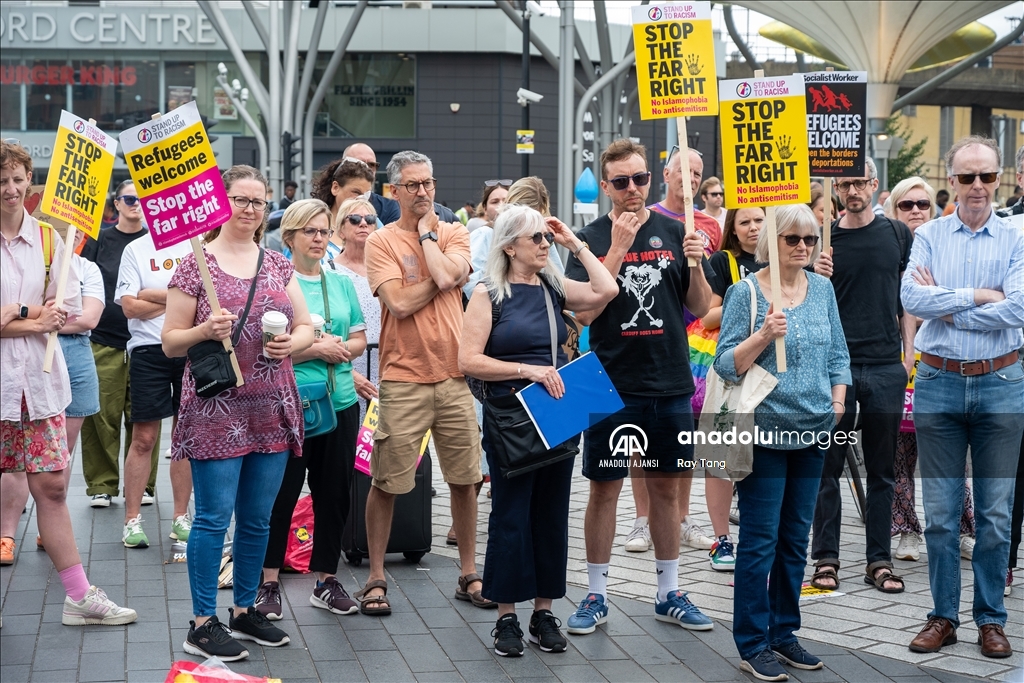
(239, 96)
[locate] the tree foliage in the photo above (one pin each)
(908, 160)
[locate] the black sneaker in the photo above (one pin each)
(544, 631)
(251, 625)
(213, 639)
(796, 656)
(765, 666)
(332, 596)
(508, 637)
(268, 600)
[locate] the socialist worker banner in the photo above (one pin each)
(837, 105)
(176, 175)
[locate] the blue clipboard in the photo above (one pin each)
(589, 397)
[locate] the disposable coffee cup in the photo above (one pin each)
(318, 325)
(274, 323)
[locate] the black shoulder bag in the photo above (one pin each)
(210, 362)
(516, 445)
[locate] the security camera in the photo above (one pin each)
(524, 97)
(222, 69)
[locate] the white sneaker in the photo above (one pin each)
(693, 536)
(639, 539)
(966, 547)
(96, 608)
(167, 453)
(147, 498)
(909, 547)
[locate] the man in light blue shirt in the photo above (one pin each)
(966, 280)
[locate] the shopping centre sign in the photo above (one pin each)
(69, 27)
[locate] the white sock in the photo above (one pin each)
(640, 521)
(668, 577)
(598, 578)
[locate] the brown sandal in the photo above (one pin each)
(478, 600)
(885, 575)
(452, 539)
(374, 605)
(825, 571)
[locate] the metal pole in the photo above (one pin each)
(307, 78)
(566, 93)
(274, 122)
(325, 83)
(261, 30)
(544, 50)
(291, 67)
(259, 93)
(261, 142)
(525, 170)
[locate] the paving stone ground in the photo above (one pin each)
(861, 635)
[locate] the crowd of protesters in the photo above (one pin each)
(400, 300)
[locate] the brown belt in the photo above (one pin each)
(970, 368)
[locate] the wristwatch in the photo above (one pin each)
(428, 236)
(22, 311)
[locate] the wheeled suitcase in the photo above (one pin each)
(410, 525)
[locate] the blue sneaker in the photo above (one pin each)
(591, 613)
(679, 610)
(764, 666)
(796, 656)
(723, 556)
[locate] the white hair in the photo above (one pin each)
(786, 217)
(515, 221)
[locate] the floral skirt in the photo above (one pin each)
(33, 445)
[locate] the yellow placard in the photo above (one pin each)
(373, 418)
(76, 185)
(764, 142)
(675, 60)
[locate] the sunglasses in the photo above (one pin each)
(539, 237)
(505, 182)
(793, 240)
(968, 178)
(128, 199)
(622, 182)
(908, 204)
(356, 219)
(675, 148)
(369, 164)
(844, 186)
(716, 194)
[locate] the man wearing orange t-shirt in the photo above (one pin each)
(416, 266)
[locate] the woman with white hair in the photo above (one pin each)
(913, 202)
(506, 342)
(777, 499)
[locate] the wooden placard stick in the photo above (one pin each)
(684, 166)
(826, 220)
(774, 274)
(62, 284)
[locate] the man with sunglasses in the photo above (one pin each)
(640, 337)
(966, 280)
(387, 209)
(869, 255)
(416, 266)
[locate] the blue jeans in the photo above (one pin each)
(776, 506)
(246, 486)
(984, 413)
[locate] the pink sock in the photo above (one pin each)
(76, 585)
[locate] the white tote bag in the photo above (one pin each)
(727, 419)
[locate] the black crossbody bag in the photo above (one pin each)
(210, 362)
(517, 446)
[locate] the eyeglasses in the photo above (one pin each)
(622, 182)
(313, 232)
(500, 183)
(539, 237)
(968, 178)
(909, 204)
(128, 199)
(356, 219)
(414, 186)
(244, 202)
(793, 240)
(844, 185)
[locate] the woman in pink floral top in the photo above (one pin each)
(238, 441)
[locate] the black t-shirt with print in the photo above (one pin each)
(719, 262)
(866, 267)
(105, 252)
(640, 337)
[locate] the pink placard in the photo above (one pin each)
(183, 211)
(364, 448)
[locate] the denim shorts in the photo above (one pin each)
(85, 386)
(644, 433)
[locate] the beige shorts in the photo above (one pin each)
(407, 411)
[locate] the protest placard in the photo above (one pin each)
(675, 72)
(836, 104)
(364, 439)
(764, 152)
(179, 185)
(76, 191)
